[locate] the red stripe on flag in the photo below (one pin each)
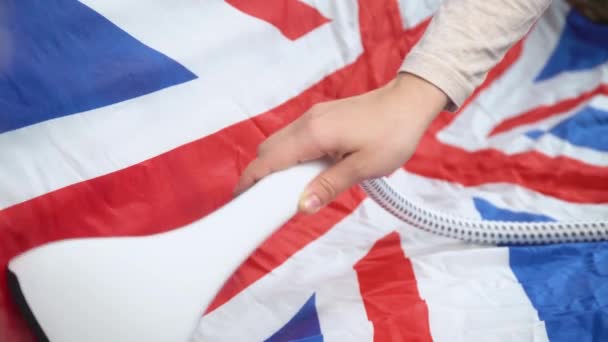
(385, 45)
(576, 181)
(390, 293)
(185, 184)
(292, 17)
(295, 235)
(559, 177)
(510, 57)
(544, 112)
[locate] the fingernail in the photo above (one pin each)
(310, 204)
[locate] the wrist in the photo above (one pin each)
(416, 92)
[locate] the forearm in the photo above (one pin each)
(466, 38)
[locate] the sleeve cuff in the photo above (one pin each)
(441, 75)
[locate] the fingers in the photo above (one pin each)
(333, 181)
(286, 148)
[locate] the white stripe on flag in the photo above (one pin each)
(242, 65)
(516, 92)
(324, 267)
(514, 141)
(414, 12)
(456, 199)
(470, 290)
(341, 312)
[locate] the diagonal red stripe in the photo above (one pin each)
(561, 177)
(544, 112)
(185, 184)
(510, 57)
(390, 294)
(295, 235)
(292, 17)
(385, 45)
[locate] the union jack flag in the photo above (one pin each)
(123, 117)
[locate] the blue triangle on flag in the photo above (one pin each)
(304, 326)
(490, 212)
(566, 284)
(60, 57)
(535, 134)
(586, 128)
(582, 45)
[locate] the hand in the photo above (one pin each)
(368, 136)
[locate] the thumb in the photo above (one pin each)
(331, 183)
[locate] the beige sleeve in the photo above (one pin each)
(466, 38)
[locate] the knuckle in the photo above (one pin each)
(263, 169)
(262, 148)
(259, 172)
(320, 132)
(327, 187)
(314, 124)
(315, 130)
(359, 171)
(317, 110)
